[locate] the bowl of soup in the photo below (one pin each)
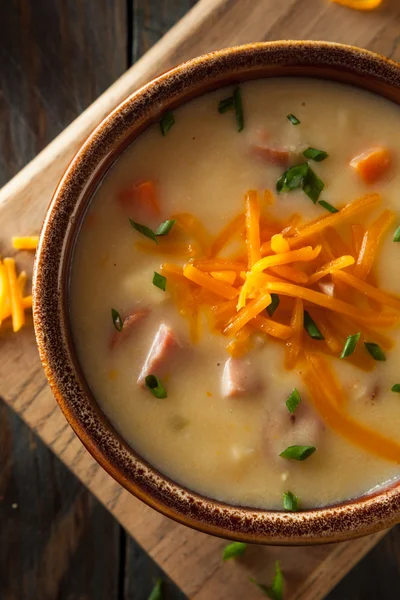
(216, 299)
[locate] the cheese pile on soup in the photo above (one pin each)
(234, 294)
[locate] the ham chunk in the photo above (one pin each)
(237, 378)
(128, 326)
(273, 156)
(164, 345)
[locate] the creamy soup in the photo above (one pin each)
(227, 262)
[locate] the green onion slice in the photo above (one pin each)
(116, 319)
(375, 350)
(328, 206)
(350, 345)
(396, 237)
(225, 105)
(159, 281)
(298, 452)
(311, 327)
(165, 227)
(316, 155)
(156, 592)
(290, 502)
(275, 591)
(144, 230)
(301, 176)
(155, 386)
(294, 120)
(396, 388)
(293, 401)
(237, 101)
(233, 550)
(271, 308)
(167, 121)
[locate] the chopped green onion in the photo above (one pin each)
(316, 155)
(233, 550)
(311, 327)
(155, 386)
(375, 350)
(328, 206)
(165, 227)
(313, 186)
(159, 281)
(301, 176)
(237, 101)
(225, 105)
(298, 452)
(290, 502)
(167, 121)
(294, 120)
(293, 401)
(144, 230)
(396, 237)
(116, 319)
(274, 304)
(156, 593)
(350, 345)
(275, 591)
(396, 388)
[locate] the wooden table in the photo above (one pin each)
(56, 540)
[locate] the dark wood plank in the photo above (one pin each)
(55, 59)
(56, 539)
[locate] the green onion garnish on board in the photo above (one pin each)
(156, 592)
(290, 502)
(293, 401)
(311, 327)
(167, 121)
(233, 550)
(298, 452)
(275, 591)
(375, 351)
(116, 319)
(350, 345)
(155, 386)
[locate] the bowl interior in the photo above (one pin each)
(52, 272)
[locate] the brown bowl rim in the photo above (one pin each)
(347, 520)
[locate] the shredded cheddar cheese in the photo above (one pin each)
(25, 243)
(359, 4)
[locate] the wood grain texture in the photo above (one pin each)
(191, 558)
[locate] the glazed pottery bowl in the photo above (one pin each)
(347, 64)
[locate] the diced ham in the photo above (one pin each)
(327, 288)
(158, 358)
(237, 378)
(282, 429)
(274, 156)
(129, 324)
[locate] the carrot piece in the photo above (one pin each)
(252, 225)
(208, 282)
(194, 228)
(248, 312)
(334, 265)
(372, 164)
(302, 254)
(225, 276)
(232, 229)
(370, 243)
(359, 4)
(350, 210)
(219, 264)
(143, 193)
(290, 273)
(279, 244)
(293, 345)
(17, 310)
(273, 328)
(25, 243)
(334, 416)
(368, 290)
(289, 289)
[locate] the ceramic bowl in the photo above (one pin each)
(336, 62)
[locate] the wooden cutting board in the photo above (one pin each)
(190, 558)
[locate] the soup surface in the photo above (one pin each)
(246, 379)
